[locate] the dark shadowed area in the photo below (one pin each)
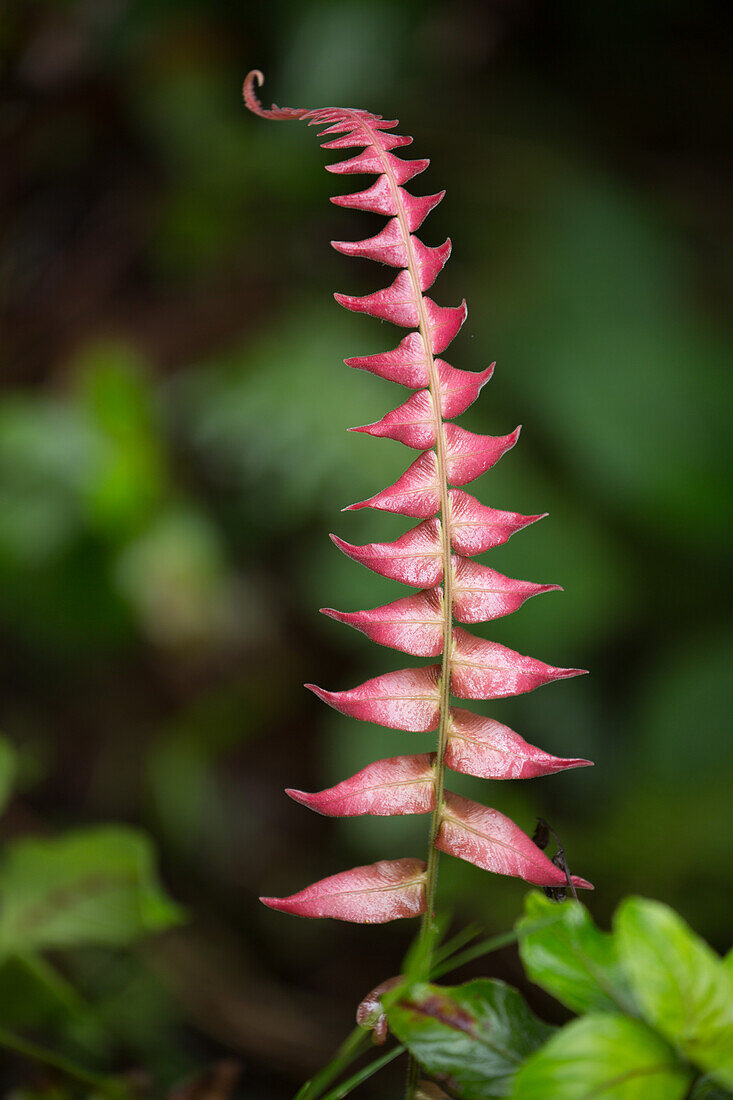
(173, 456)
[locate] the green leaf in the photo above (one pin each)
(572, 958)
(682, 987)
(603, 1056)
(34, 994)
(94, 886)
(8, 770)
(474, 1035)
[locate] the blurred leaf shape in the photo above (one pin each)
(682, 986)
(8, 770)
(572, 959)
(92, 886)
(34, 994)
(472, 1036)
(602, 1055)
(173, 575)
(115, 396)
(46, 447)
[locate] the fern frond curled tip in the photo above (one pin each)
(435, 557)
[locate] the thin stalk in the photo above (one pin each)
(431, 874)
(350, 1049)
(413, 1076)
(451, 946)
(485, 947)
(363, 1075)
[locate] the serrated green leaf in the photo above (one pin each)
(603, 1056)
(94, 886)
(474, 1036)
(572, 959)
(681, 985)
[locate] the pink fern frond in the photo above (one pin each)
(433, 556)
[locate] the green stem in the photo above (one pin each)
(413, 1076)
(346, 1053)
(363, 1074)
(35, 1053)
(431, 873)
(446, 964)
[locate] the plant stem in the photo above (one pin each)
(350, 1049)
(363, 1074)
(413, 1075)
(431, 874)
(447, 963)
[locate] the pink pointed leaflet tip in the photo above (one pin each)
(279, 904)
(297, 796)
(320, 693)
(581, 883)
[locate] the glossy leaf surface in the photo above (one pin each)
(681, 985)
(572, 959)
(611, 1057)
(473, 1037)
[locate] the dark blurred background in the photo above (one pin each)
(173, 456)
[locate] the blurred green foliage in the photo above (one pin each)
(172, 457)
